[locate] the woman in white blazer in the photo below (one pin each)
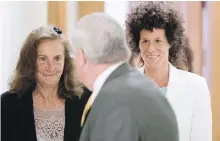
(155, 32)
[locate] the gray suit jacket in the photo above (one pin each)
(130, 107)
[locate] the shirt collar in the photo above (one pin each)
(100, 80)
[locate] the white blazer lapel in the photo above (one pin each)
(173, 87)
(174, 84)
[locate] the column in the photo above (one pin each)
(88, 7)
(194, 33)
(214, 18)
(57, 14)
(18, 19)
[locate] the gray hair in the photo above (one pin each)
(101, 38)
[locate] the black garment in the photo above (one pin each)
(17, 121)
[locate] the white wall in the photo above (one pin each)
(207, 48)
(17, 20)
(118, 10)
(1, 45)
(72, 12)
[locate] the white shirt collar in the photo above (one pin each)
(141, 70)
(100, 80)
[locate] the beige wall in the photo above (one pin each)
(214, 15)
(57, 14)
(88, 7)
(192, 13)
(194, 34)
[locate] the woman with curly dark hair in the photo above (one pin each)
(155, 32)
(43, 102)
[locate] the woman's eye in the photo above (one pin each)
(145, 41)
(57, 58)
(158, 41)
(42, 58)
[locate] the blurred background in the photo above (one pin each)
(202, 24)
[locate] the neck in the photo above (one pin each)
(159, 75)
(47, 92)
(95, 73)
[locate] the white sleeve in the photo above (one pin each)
(202, 117)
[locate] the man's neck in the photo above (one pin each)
(95, 72)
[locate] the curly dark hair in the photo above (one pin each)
(159, 15)
(24, 77)
(189, 55)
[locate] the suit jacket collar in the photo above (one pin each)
(122, 69)
(101, 79)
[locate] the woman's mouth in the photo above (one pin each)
(50, 75)
(152, 56)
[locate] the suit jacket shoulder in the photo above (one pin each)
(136, 102)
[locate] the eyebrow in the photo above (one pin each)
(46, 55)
(41, 55)
(144, 38)
(147, 39)
(158, 38)
(58, 55)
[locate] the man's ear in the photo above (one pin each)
(82, 58)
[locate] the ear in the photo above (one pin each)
(81, 58)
